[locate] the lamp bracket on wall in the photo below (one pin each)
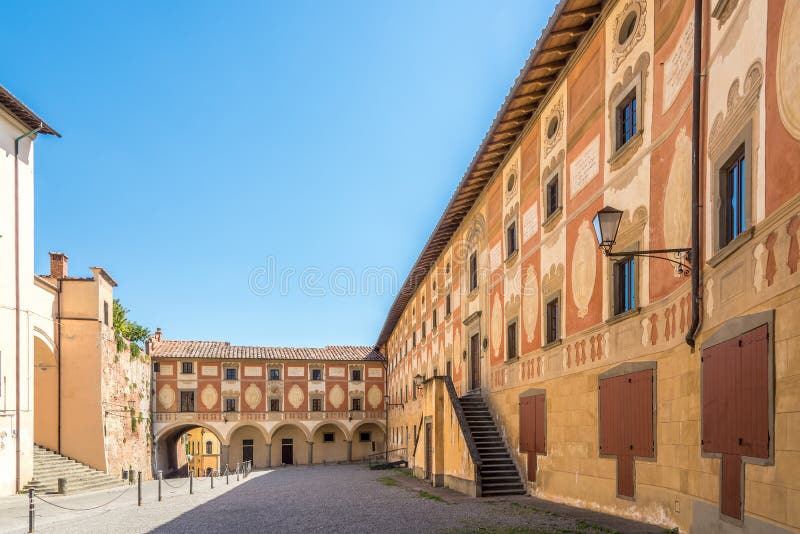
(606, 224)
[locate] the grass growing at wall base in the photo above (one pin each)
(431, 496)
(387, 481)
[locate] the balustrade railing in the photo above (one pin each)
(351, 415)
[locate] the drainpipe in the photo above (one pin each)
(694, 327)
(59, 362)
(17, 312)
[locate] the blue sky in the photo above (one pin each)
(207, 144)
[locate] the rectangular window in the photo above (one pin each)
(364, 436)
(447, 305)
(435, 319)
(327, 437)
(553, 196)
(414, 340)
(316, 374)
(274, 374)
(511, 239)
(274, 405)
(316, 405)
(209, 447)
(156, 367)
(553, 324)
(424, 329)
(230, 405)
(187, 401)
(511, 340)
(734, 197)
(449, 368)
(356, 405)
(626, 119)
(624, 285)
(473, 271)
(355, 375)
(105, 313)
(230, 373)
(187, 368)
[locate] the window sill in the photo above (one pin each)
(552, 219)
(515, 359)
(624, 153)
(551, 344)
(731, 247)
(618, 318)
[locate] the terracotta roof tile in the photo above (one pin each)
(224, 350)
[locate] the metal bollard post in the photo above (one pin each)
(139, 489)
(212, 479)
(191, 481)
(227, 474)
(30, 510)
(160, 476)
(237, 471)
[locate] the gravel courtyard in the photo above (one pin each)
(329, 498)
(341, 498)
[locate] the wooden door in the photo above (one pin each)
(475, 361)
(428, 451)
(247, 450)
(287, 451)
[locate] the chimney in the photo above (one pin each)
(157, 335)
(152, 341)
(58, 265)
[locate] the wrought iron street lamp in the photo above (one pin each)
(418, 381)
(606, 225)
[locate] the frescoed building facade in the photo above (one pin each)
(652, 400)
(270, 405)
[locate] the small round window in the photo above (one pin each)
(552, 127)
(510, 184)
(628, 27)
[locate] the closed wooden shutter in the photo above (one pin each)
(532, 430)
(626, 423)
(736, 409)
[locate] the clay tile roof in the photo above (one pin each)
(23, 113)
(224, 350)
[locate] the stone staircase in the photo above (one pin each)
(499, 475)
(48, 467)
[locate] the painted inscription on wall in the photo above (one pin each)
(252, 371)
(336, 371)
(494, 257)
(375, 372)
(678, 66)
(209, 370)
(294, 371)
(530, 222)
(585, 167)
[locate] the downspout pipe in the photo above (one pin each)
(694, 326)
(17, 289)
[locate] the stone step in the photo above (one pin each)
(498, 493)
(49, 466)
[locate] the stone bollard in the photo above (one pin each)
(62, 486)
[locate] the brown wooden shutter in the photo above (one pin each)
(736, 409)
(532, 430)
(626, 423)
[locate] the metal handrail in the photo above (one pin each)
(385, 454)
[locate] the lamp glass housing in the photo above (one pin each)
(606, 225)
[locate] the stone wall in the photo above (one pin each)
(126, 379)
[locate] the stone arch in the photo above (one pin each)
(282, 424)
(380, 424)
(347, 434)
(45, 391)
(241, 424)
(294, 437)
(377, 443)
(166, 441)
(257, 448)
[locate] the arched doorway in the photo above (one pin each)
(248, 443)
(289, 445)
(368, 438)
(181, 444)
(45, 394)
(331, 444)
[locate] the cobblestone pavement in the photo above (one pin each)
(339, 498)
